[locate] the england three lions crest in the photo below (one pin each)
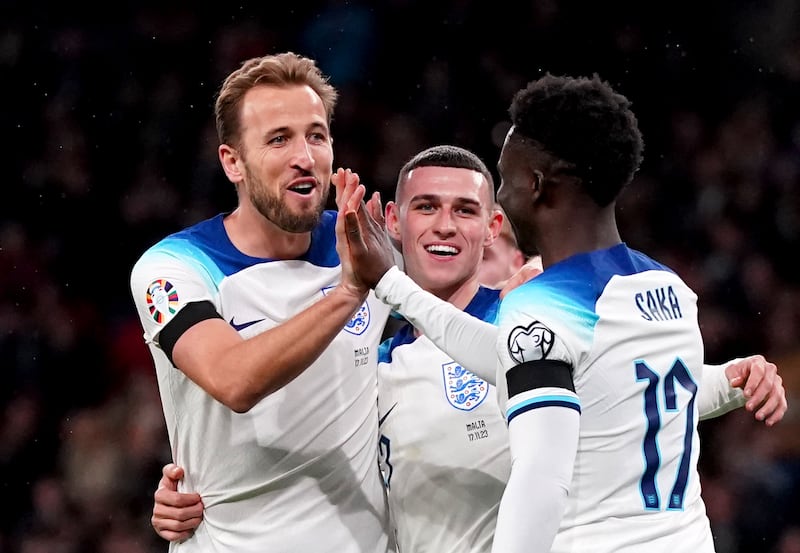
(463, 389)
(359, 322)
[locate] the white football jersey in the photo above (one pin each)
(444, 443)
(299, 471)
(628, 328)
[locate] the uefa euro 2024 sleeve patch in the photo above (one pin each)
(529, 343)
(162, 300)
(359, 322)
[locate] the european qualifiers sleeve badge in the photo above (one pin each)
(529, 343)
(162, 300)
(359, 322)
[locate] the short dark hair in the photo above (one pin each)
(586, 123)
(446, 155)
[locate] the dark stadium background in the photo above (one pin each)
(108, 140)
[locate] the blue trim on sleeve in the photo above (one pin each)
(569, 402)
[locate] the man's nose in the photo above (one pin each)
(303, 155)
(445, 222)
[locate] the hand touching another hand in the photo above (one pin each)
(348, 191)
(360, 232)
(371, 250)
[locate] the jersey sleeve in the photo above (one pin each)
(537, 354)
(716, 396)
(163, 283)
(543, 413)
(468, 340)
(535, 379)
(543, 446)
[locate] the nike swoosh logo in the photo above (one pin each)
(243, 325)
(383, 418)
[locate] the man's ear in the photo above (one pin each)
(495, 226)
(229, 158)
(392, 216)
(537, 184)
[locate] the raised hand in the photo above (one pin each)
(349, 191)
(371, 250)
(346, 183)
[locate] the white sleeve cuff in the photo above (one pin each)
(716, 396)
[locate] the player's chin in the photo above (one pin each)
(449, 271)
(301, 220)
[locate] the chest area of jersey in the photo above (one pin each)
(269, 294)
(427, 375)
(430, 407)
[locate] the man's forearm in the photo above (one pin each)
(470, 341)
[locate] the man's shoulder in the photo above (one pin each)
(209, 229)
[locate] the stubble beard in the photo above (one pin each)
(272, 207)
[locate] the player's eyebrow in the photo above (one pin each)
(436, 198)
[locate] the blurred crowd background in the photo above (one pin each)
(109, 145)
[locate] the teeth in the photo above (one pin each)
(442, 250)
(303, 188)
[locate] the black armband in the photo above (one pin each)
(190, 315)
(542, 373)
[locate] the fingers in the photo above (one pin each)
(171, 474)
(176, 515)
(337, 179)
(757, 387)
(775, 407)
(166, 500)
(535, 262)
(173, 471)
(355, 199)
(346, 183)
(768, 399)
(523, 275)
(352, 227)
(763, 388)
(373, 218)
(737, 381)
(172, 535)
(173, 529)
(375, 209)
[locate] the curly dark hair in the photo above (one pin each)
(586, 123)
